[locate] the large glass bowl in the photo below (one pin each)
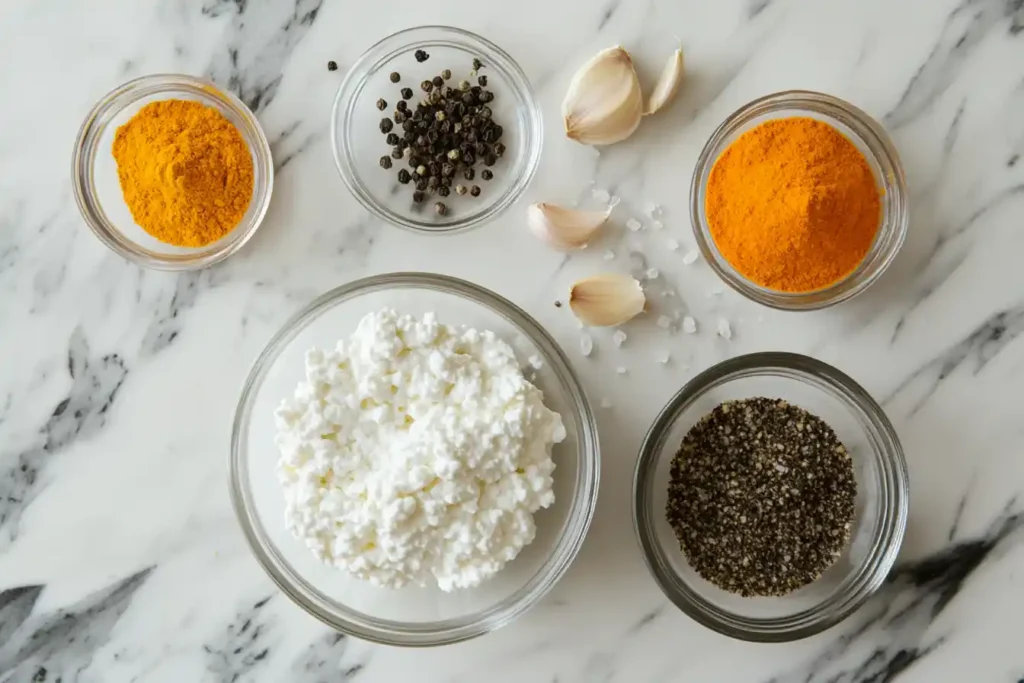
(358, 143)
(883, 160)
(411, 615)
(98, 190)
(881, 507)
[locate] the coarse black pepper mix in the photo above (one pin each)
(761, 497)
(443, 136)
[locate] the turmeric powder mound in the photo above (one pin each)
(185, 171)
(793, 205)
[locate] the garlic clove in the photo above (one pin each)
(564, 228)
(607, 300)
(604, 103)
(667, 85)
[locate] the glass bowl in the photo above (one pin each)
(880, 510)
(98, 191)
(412, 615)
(358, 143)
(868, 136)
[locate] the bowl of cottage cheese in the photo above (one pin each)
(413, 460)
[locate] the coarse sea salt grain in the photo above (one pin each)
(664, 322)
(652, 210)
(609, 255)
(663, 358)
(672, 244)
(724, 329)
(618, 337)
(652, 273)
(689, 325)
(634, 225)
(691, 257)
(586, 344)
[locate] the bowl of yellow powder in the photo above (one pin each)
(799, 201)
(172, 173)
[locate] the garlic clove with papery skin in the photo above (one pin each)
(564, 228)
(604, 103)
(668, 83)
(607, 300)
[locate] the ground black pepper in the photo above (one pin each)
(761, 497)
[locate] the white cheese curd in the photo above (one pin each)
(416, 452)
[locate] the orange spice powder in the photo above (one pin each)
(793, 205)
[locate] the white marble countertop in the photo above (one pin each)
(120, 557)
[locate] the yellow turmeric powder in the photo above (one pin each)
(793, 205)
(185, 171)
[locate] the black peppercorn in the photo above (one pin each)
(414, 162)
(421, 184)
(385, 162)
(468, 98)
(499, 149)
(497, 130)
(464, 86)
(489, 135)
(382, 104)
(489, 160)
(460, 189)
(446, 182)
(386, 125)
(447, 170)
(408, 125)
(396, 152)
(421, 56)
(482, 80)
(486, 96)
(437, 81)
(332, 65)
(418, 196)
(392, 139)
(435, 168)
(435, 97)
(443, 191)
(468, 158)
(406, 93)
(446, 74)
(400, 116)
(433, 136)
(395, 77)
(432, 182)
(402, 106)
(481, 148)
(404, 176)
(475, 190)
(468, 174)
(477, 64)
(426, 86)
(486, 173)
(440, 208)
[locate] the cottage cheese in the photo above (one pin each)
(415, 452)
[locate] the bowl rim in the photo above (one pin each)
(893, 517)
(882, 154)
(85, 153)
(452, 630)
(403, 41)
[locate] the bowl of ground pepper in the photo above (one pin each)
(798, 201)
(172, 173)
(770, 497)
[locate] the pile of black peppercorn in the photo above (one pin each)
(443, 136)
(761, 497)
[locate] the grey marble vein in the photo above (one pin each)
(243, 646)
(324, 661)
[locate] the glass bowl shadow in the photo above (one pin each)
(358, 143)
(411, 616)
(880, 511)
(98, 190)
(883, 159)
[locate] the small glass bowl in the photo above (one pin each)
(358, 143)
(869, 137)
(880, 513)
(411, 616)
(98, 190)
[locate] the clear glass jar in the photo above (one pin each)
(411, 616)
(358, 143)
(881, 506)
(98, 190)
(869, 137)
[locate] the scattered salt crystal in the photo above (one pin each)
(724, 329)
(652, 210)
(689, 325)
(669, 292)
(621, 370)
(535, 362)
(664, 322)
(664, 358)
(586, 344)
(605, 403)
(657, 225)
(609, 255)
(672, 244)
(691, 257)
(717, 291)
(652, 273)
(634, 225)
(600, 195)
(618, 337)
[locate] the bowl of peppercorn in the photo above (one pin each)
(770, 497)
(436, 129)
